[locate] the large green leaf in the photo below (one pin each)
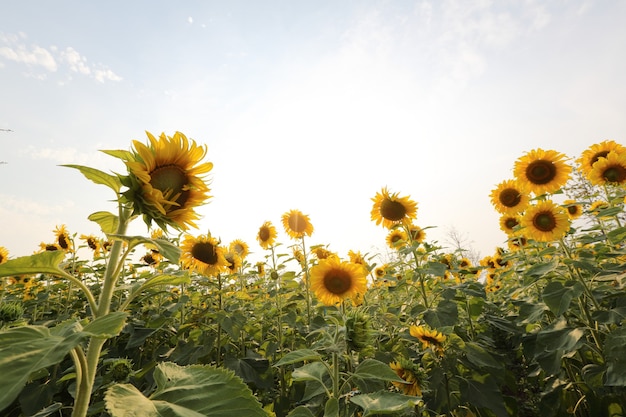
(40, 263)
(106, 326)
(615, 353)
(298, 356)
(384, 402)
(446, 314)
(186, 391)
(482, 391)
(99, 177)
(373, 369)
(558, 297)
(108, 222)
(315, 371)
(541, 269)
(331, 409)
(301, 411)
(24, 350)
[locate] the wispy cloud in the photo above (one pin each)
(67, 155)
(50, 59)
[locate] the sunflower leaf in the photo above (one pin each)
(299, 356)
(384, 402)
(373, 369)
(165, 280)
(40, 263)
(99, 177)
(120, 154)
(189, 391)
(108, 222)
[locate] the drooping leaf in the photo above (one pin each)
(186, 391)
(315, 371)
(165, 280)
(373, 369)
(108, 222)
(40, 263)
(615, 353)
(558, 297)
(482, 391)
(106, 326)
(99, 177)
(480, 357)
(559, 336)
(541, 269)
(446, 314)
(299, 356)
(384, 402)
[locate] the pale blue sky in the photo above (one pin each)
(309, 105)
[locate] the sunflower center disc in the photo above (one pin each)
(544, 222)
(510, 197)
(171, 180)
(541, 172)
(264, 234)
(337, 283)
(392, 210)
(616, 173)
(204, 252)
(510, 223)
(297, 223)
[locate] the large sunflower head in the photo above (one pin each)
(204, 255)
(332, 280)
(509, 197)
(574, 209)
(4, 254)
(390, 209)
(412, 374)
(266, 235)
(545, 222)
(609, 170)
(542, 171)
(166, 180)
(597, 152)
(297, 224)
(429, 338)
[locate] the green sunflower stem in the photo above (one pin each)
(306, 285)
(89, 363)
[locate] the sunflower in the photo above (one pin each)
(609, 170)
(429, 338)
(239, 247)
(93, 243)
(381, 271)
(411, 374)
(4, 254)
(574, 210)
(203, 254)
(321, 252)
(517, 242)
(597, 152)
(545, 221)
(234, 261)
(390, 209)
(166, 180)
(266, 235)
(542, 171)
(417, 234)
(396, 238)
(509, 197)
(332, 280)
(260, 268)
(297, 224)
(49, 247)
(152, 258)
(63, 238)
(298, 255)
(509, 223)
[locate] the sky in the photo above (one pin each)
(308, 105)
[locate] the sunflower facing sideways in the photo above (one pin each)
(509, 197)
(390, 209)
(166, 180)
(4, 254)
(266, 235)
(332, 280)
(396, 238)
(63, 238)
(297, 224)
(428, 338)
(509, 223)
(412, 374)
(204, 255)
(545, 222)
(597, 152)
(542, 171)
(574, 210)
(609, 170)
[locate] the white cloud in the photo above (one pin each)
(67, 155)
(36, 55)
(102, 75)
(190, 20)
(76, 62)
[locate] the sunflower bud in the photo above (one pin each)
(359, 331)
(120, 370)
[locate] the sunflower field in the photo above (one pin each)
(179, 324)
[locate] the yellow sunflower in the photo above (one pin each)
(429, 338)
(63, 239)
(411, 374)
(417, 234)
(167, 180)
(297, 224)
(321, 252)
(93, 243)
(390, 209)
(545, 222)
(609, 170)
(49, 247)
(396, 238)
(203, 254)
(239, 247)
(266, 235)
(509, 197)
(4, 254)
(298, 255)
(574, 210)
(542, 171)
(260, 268)
(332, 280)
(152, 258)
(517, 242)
(596, 152)
(509, 223)
(234, 261)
